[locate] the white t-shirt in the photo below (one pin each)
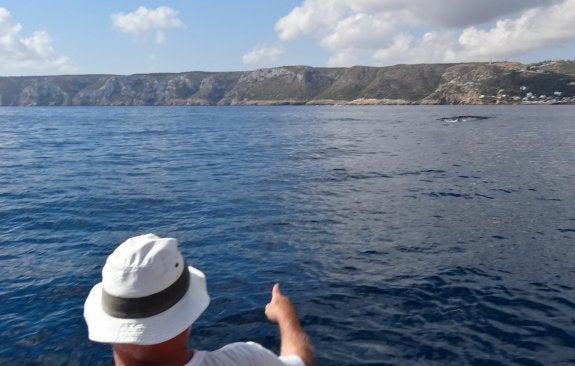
(243, 354)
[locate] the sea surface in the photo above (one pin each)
(402, 239)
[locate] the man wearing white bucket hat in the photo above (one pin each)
(148, 299)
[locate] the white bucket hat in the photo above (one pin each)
(148, 294)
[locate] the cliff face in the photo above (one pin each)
(471, 83)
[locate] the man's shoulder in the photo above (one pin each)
(238, 353)
(246, 345)
(266, 356)
(245, 349)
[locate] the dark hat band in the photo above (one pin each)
(144, 307)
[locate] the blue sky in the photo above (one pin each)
(40, 37)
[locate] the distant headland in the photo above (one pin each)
(548, 82)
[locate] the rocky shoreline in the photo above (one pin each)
(550, 82)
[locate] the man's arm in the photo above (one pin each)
(294, 341)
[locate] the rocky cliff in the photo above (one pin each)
(468, 83)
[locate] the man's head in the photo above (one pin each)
(148, 294)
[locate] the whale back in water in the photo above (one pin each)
(462, 118)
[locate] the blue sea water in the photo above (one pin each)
(402, 239)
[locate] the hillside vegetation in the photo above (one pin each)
(464, 83)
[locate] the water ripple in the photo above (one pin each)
(402, 242)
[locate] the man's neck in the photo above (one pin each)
(169, 359)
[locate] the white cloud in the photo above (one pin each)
(344, 58)
(263, 55)
(313, 17)
(534, 29)
(145, 22)
(377, 32)
(406, 48)
(450, 13)
(25, 54)
(357, 31)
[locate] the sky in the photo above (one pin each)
(40, 37)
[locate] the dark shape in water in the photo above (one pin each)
(462, 118)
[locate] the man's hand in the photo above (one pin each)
(294, 341)
(280, 309)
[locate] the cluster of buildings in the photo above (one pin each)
(556, 98)
(528, 97)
